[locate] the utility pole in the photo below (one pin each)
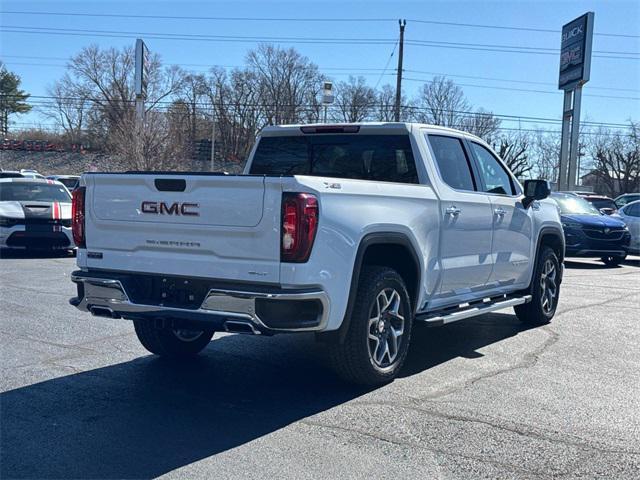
(402, 24)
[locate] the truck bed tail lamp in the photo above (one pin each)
(299, 226)
(77, 217)
(331, 129)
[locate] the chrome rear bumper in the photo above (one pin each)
(223, 309)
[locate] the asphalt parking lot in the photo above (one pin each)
(483, 398)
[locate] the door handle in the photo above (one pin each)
(500, 212)
(452, 211)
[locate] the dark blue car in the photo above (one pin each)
(589, 233)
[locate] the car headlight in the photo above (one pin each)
(571, 225)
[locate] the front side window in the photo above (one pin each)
(383, 158)
(452, 162)
(495, 177)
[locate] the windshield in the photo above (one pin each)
(603, 203)
(572, 205)
(33, 192)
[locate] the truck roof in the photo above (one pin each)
(368, 127)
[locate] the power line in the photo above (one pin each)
(348, 69)
(511, 89)
(307, 40)
(303, 19)
(42, 101)
(476, 77)
(507, 49)
(386, 66)
(196, 37)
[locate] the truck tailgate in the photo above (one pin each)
(214, 226)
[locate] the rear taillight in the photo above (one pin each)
(299, 225)
(77, 217)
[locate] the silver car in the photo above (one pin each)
(630, 214)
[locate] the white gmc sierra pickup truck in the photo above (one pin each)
(353, 231)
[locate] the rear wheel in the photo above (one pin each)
(377, 340)
(613, 260)
(169, 342)
(545, 290)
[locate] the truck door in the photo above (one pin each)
(465, 237)
(512, 223)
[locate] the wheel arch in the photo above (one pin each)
(390, 249)
(552, 237)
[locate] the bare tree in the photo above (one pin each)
(441, 102)
(355, 100)
(616, 156)
(288, 82)
(68, 108)
(239, 114)
(482, 124)
(147, 146)
(513, 149)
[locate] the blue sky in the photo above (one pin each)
(611, 77)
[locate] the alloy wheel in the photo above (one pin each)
(549, 286)
(386, 328)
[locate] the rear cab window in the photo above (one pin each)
(383, 158)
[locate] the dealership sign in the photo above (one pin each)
(575, 52)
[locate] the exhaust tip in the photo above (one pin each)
(234, 326)
(103, 312)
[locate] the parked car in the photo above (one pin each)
(10, 174)
(622, 200)
(630, 214)
(35, 214)
(352, 231)
(29, 173)
(604, 204)
(590, 233)
(69, 181)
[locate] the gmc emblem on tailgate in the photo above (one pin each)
(176, 208)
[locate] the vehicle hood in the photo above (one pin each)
(596, 221)
(30, 210)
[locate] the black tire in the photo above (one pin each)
(613, 260)
(171, 343)
(537, 311)
(352, 359)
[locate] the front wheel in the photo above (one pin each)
(169, 342)
(613, 260)
(377, 339)
(545, 290)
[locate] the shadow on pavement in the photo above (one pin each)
(594, 265)
(6, 253)
(146, 417)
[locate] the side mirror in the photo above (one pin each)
(535, 190)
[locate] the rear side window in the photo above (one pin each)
(452, 161)
(495, 177)
(633, 210)
(384, 158)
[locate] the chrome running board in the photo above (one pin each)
(468, 310)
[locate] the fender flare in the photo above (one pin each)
(376, 238)
(548, 230)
